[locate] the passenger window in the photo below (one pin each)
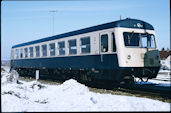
(21, 53)
(26, 52)
(114, 43)
(52, 49)
(104, 43)
(61, 47)
(85, 45)
(72, 47)
(37, 51)
(44, 50)
(31, 51)
(17, 53)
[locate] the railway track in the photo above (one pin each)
(161, 79)
(155, 91)
(152, 89)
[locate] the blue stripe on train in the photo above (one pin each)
(107, 65)
(107, 61)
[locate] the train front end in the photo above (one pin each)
(138, 54)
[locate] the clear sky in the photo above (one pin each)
(23, 21)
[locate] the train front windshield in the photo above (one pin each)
(141, 40)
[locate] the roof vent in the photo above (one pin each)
(128, 18)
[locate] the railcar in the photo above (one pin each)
(113, 52)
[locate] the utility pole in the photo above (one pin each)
(52, 11)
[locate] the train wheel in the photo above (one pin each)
(128, 80)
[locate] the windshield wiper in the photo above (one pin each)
(132, 34)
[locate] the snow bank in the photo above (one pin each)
(69, 96)
(7, 77)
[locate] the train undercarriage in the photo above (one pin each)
(122, 76)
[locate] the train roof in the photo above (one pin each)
(128, 23)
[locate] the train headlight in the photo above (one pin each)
(129, 57)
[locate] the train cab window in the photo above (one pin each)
(142, 40)
(85, 45)
(151, 41)
(26, 52)
(31, 51)
(21, 53)
(37, 51)
(104, 43)
(44, 50)
(72, 46)
(61, 47)
(131, 39)
(52, 49)
(113, 43)
(17, 53)
(148, 41)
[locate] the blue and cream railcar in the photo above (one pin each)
(111, 52)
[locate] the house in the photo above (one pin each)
(164, 54)
(165, 57)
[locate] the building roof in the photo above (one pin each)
(164, 54)
(129, 23)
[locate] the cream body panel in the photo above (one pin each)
(94, 43)
(139, 57)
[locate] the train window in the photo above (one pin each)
(72, 46)
(61, 47)
(37, 51)
(31, 51)
(113, 43)
(85, 45)
(17, 53)
(26, 52)
(21, 53)
(151, 41)
(131, 39)
(104, 43)
(52, 49)
(44, 50)
(143, 40)
(148, 41)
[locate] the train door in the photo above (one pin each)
(107, 43)
(107, 54)
(104, 47)
(104, 42)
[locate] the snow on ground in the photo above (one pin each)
(69, 96)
